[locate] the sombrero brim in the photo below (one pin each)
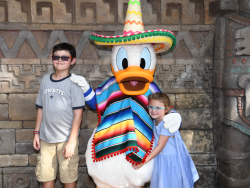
(163, 40)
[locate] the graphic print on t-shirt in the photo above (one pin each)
(53, 90)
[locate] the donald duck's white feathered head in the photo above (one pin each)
(133, 54)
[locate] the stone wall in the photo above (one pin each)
(30, 28)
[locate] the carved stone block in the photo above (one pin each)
(1, 177)
(228, 4)
(13, 160)
(150, 11)
(32, 159)
(3, 98)
(172, 99)
(50, 12)
(2, 14)
(29, 124)
(209, 17)
(244, 6)
(10, 124)
(90, 13)
(19, 177)
(85, 134)
(187, 101)
(24, 135)
(92, 120)
(15, 12)
(5, 160)
(19, 160)
(204, 159)
(84, 180)
(198, 141)
(22, 106)
(7, 141)
(207, 177)
(84, 118)
(199, 118)
(4, 108)
(25, 148)
(82, 160)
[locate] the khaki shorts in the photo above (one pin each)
(47, 163)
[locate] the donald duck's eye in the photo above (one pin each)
(122, 59)
(125, 63)
(145, 59)
(142, 64)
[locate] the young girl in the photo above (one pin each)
(173, 166)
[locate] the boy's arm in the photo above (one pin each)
(88, 92)
(36, 139)
(68, 150)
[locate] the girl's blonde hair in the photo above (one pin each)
(162, 97)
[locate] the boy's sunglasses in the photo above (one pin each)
(63, 58)
(156, 108)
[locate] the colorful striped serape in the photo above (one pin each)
(125, 125)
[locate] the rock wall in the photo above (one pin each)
(30, 28)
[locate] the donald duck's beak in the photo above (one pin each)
(134, 80)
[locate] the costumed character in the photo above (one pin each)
(124, 134)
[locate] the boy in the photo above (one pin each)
(60, 105)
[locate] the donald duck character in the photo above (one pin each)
(124, 135)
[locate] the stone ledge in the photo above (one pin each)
(197, 28)
(15, 61)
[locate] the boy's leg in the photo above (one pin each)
(70, 185)
(49, 184)
(46, 168)
(68, 167)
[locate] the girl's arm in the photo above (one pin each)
(36, 139)
(161, 144)
(68, 150)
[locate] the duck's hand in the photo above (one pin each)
(81, 81)
(172, 122)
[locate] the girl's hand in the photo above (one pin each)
(136, 167)
(36, 142)
(68, 150)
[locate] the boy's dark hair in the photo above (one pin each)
(65, 46)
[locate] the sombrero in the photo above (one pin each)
(133, 32)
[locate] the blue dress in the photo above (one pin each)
(173, 166)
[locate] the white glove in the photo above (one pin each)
(80, 80)
(172, 122)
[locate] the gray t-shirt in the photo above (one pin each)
(58, 99)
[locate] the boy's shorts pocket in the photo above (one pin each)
(38, 165)
(73, 166)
